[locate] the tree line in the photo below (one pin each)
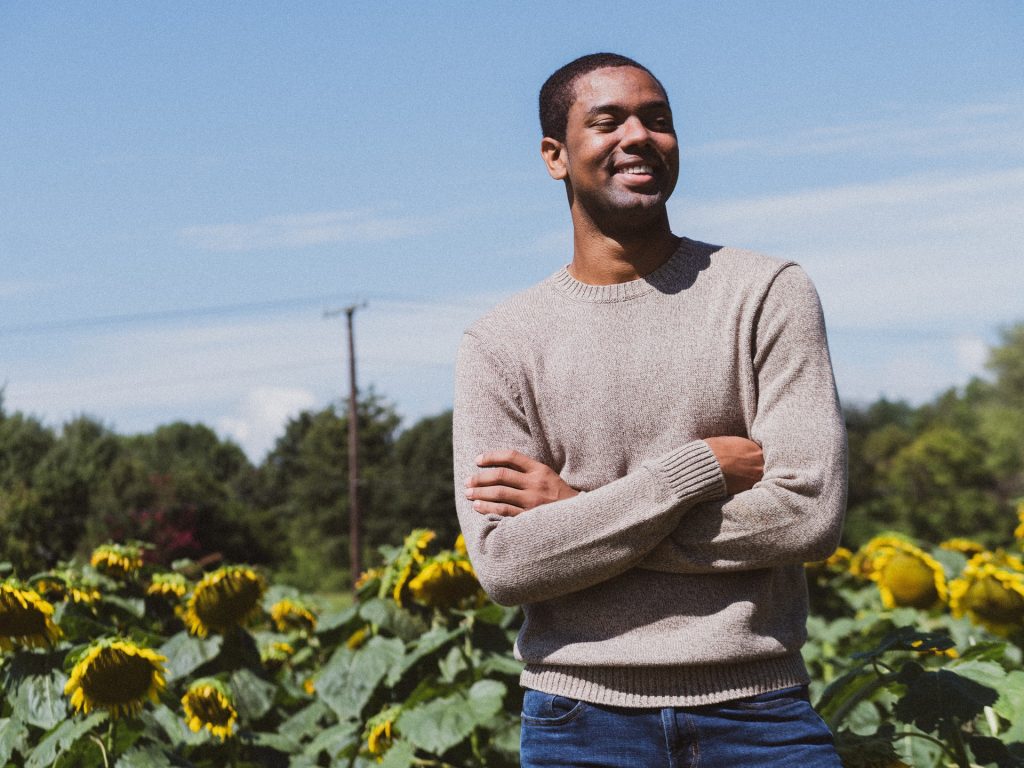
(949, 468)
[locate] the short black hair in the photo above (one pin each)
(558, 92)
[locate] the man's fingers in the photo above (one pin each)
(497, 476)
(491, 508)
(505, 458)
(502, 493)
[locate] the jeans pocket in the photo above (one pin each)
(549, 709)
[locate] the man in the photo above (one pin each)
(652, 447)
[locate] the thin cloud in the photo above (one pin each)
(928, 250)
(983, 128)
(303, 231)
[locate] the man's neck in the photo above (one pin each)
(601, 258)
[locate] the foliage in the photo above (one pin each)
(908, 666)
(407, 675)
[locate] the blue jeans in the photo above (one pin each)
(772, 730)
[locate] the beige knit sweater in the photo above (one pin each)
(652, 588)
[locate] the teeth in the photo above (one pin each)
(638, 169)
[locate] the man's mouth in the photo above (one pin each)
(637, 169)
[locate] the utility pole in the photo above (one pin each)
(355, 552)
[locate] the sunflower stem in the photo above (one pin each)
(927, 737)
(103, 751)
(111, 725)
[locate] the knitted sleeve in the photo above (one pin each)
(567, 545)
(795, 513)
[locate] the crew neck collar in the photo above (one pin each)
(664, 278)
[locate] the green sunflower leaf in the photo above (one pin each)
(349, 679)
(185, 653)
(253, 696)
(13, 737)
(61, 738)
(942, 696)
(441, 724)
(148, 756)
(1011, 705)
(400, 755)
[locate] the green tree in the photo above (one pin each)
(183, 490)
(415, 487)
(303, 486)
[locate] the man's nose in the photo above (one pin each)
(634, 132)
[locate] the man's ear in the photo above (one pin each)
(553, 152)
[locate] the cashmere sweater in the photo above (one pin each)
(652, 587)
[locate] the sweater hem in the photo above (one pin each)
(682, 686)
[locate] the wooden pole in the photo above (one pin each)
(354, 518)
(355, 525)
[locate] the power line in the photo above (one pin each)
(75, 323)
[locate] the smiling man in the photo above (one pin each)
(652, 447)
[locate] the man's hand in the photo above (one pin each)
(741, 461)
(510, 483)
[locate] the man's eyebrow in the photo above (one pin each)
(615, 108)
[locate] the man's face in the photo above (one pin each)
(621, 156)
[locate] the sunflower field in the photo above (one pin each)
(915, 651)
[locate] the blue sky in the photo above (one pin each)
(185, 187)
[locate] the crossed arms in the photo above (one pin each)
(723, 503)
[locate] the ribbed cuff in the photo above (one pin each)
(692, 472)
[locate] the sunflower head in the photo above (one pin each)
(444, 581)
(360, 636)
(837, 562)
(380, 729)
(117, 560)
(66, 585)
(224, 599)
(396, 576)
(172, 586)
(275, 655)
(908, 576)
(208, 704)
(966, 547)
(863, 562)
(25, 618)
(292, 615)
(116, 675)
(990, 593)
(460, 545)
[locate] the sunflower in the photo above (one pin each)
(223, 599)
(169, 585)
(367, 576)
(967, 547)
(66, 585)
(357, 638)
(908, 576)
(444, 581)
(292, 615)
(117, 560)
(990, 593)
(380, 729)
(276, 654)
(116, 675)
(837, 561)
(396, 578)
(208, 705)
(25, 618)
(460, 545)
